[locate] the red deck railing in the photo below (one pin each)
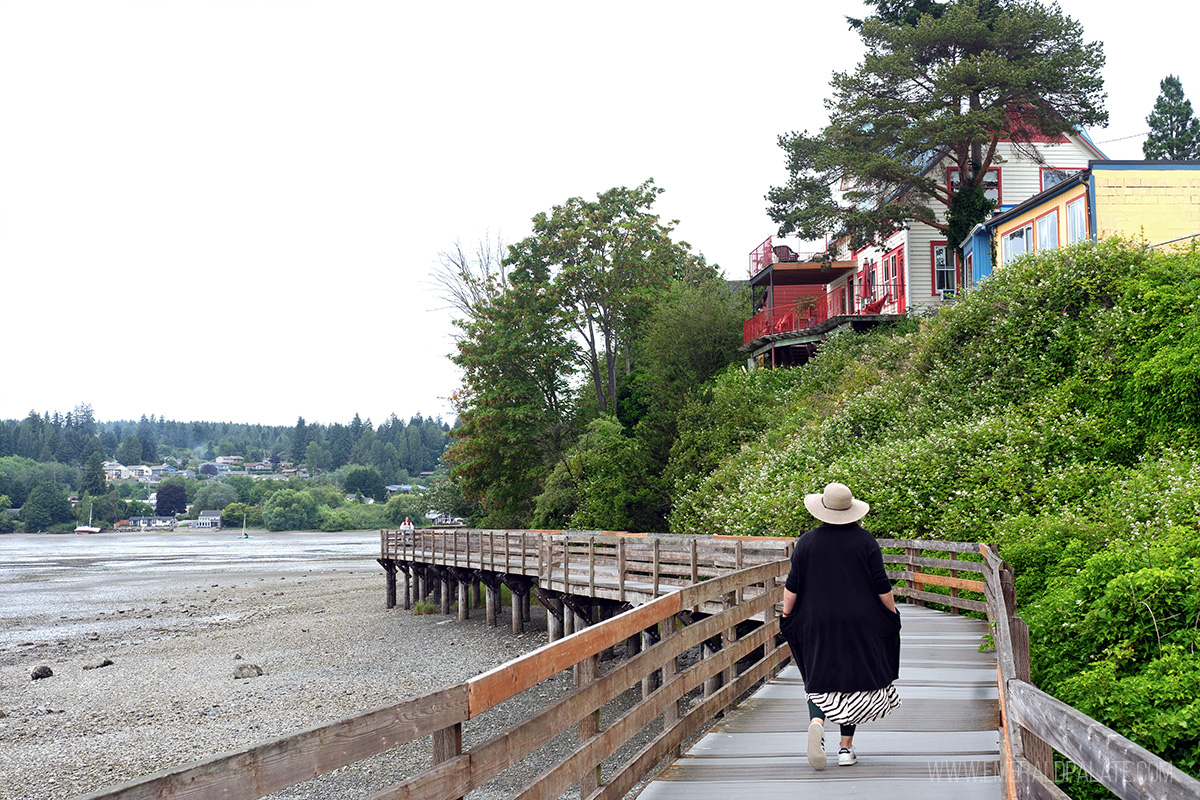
(785, 319)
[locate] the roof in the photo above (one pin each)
(210, 513)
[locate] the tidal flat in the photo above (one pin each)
(176, 614)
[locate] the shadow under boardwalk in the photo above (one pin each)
(943, 742)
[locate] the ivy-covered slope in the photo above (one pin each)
(1054, 411)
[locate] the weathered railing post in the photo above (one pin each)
(621, 569)
(654, 593)
(954, 589)
(738, 563)
(911, 554)
(585, 674)
(728, 637)
(447, 743)
(591, 566)
(666, 630)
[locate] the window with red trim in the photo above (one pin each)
(1052, 176)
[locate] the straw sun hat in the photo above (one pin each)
(836, 505)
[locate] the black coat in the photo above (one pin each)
(842, 636)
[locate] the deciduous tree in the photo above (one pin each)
(46, 505)
(364, 480)
(171, 500)
(290, 510)
(514, 405)
(610, 258)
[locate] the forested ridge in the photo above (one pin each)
(46, 456)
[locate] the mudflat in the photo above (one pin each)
(176, 614)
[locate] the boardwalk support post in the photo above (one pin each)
(389, 567)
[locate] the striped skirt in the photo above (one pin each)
(855, 708)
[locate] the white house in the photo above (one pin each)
(916, 268)
(208, 519)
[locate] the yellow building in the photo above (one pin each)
(1156, 202)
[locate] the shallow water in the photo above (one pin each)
(49, 584)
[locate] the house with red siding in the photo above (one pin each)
(800, 297)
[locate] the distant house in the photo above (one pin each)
(163, 469)
(403, 488)
(230, 460)
(208, 519)
(259, 466)
(152, 523)
(115, 471)
(1150, 200)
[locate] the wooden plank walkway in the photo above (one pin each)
(942, 743)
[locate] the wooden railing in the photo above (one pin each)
(1033, 722)
(619, 566)
(734, 663)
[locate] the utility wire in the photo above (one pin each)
(1123, 138)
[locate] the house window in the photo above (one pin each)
(1017, 243)
(1047, 231)
(1052, 176)
(1076, 222)
(944, 277)
(991, 183)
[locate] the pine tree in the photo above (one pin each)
(1174, 131)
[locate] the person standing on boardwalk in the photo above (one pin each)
(841, 623)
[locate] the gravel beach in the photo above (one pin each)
(175, 631)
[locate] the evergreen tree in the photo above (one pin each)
(953, 84)
(299, 440)
(130, 451)
(1174, 131)
(93, 476)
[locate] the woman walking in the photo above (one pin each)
(841, 622)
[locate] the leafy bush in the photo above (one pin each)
(290, 510)
(1054, 411)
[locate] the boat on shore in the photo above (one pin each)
(89, 528)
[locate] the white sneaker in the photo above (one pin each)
(846, 758)
(816, 745)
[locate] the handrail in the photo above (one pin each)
(258, 770)
(1032, 721)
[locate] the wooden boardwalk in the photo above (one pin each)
(942, 743)
(715, 597)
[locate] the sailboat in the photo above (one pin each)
(89, 528)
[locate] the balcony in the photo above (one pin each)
(785, 319)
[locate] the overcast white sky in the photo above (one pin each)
(229, 210)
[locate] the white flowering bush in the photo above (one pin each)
(1054, 411)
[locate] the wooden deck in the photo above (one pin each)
(942, 743)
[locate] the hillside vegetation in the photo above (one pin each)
(1055, 412)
